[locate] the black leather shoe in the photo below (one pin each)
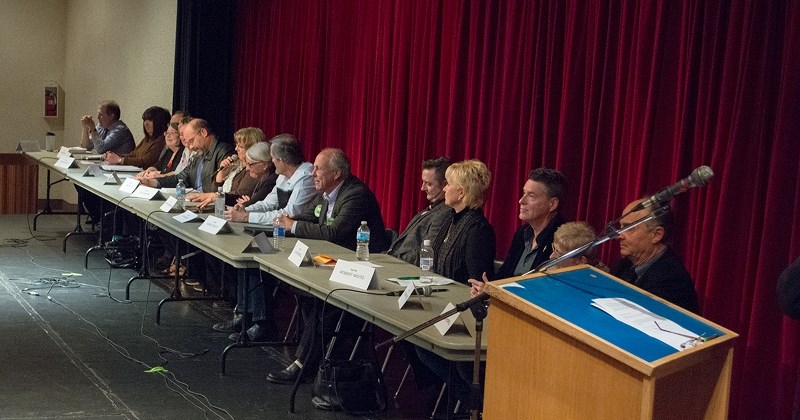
(286, 376)
(257, 332)
(233, 325)
(323, 404)
(223, 304)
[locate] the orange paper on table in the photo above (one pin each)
(323, 259)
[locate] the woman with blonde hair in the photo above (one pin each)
(465, 245)
(233, 176)
(463, 249)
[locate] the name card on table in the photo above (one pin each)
(65, 162)
(444, 325)
(129, 185)
(28, 146)
(112, 179)
(410, 289)
(64, 152)
(186, 216)
(148, 193)
(299, 254)
(215, 225)
(354, 275)
(168, 205)
(263, 243)
(94, 170)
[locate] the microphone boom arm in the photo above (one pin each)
(611, 233)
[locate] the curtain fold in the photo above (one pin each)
(623, 96)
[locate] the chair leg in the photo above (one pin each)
(403, 380)
(358, 340)
(438, 400)
(290, 331)
(386, 359)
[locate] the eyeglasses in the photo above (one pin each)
(556, 252)
(692, 342)
(251, 164)
(170, 133)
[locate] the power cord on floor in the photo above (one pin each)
(171, 381)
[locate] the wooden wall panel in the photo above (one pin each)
(19, 184)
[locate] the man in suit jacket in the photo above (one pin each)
(199, 174)
(425, 224)
(649, 262)
(343, 202)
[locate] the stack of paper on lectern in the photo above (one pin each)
(638, 317)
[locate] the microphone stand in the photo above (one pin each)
(478, 303)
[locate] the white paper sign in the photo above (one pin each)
(65, 162)
(64, 152)
(410, 289)
(129, 185)
(168, 205)
(215, 225)
(444, 325)
(354, 275)
(299, 254)
(148, 193)
(186, 216)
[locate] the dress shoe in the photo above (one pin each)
(223, 304)
(286, 376)
(323, 404)
(256, 333)
(233, 325)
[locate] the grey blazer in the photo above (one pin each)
(210, 159)
(424, 225)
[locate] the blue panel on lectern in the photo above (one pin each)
(569, 295)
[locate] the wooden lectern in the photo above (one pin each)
(551, 355)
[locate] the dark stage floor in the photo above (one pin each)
(78, 350)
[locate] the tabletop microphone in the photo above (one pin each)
(424, 291)
(233, 158)
(698, 178)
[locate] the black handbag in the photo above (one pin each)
(353, 386)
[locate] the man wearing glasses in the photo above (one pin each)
(648, 260)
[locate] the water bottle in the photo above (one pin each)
(278, 232)
(219, 203)
(426, 262)
(362, 242)
(180, 194)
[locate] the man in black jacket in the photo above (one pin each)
(425, 224)
(532, 244)
(649, 262)
(540, 209)
(343, 202)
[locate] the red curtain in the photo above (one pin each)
(623, 96)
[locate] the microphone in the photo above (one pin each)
(424, 291)
(698, 178)
(233, 158)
